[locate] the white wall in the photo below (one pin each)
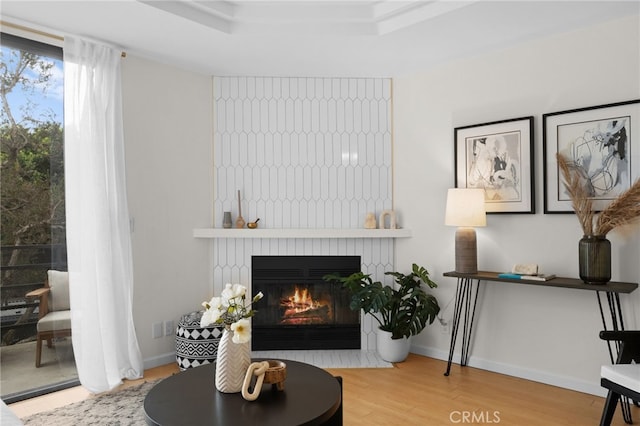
(168, 121)
(546, 334)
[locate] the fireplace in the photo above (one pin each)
(299, 309)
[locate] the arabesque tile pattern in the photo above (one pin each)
(304, 153)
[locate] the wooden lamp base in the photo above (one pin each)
(466, 251)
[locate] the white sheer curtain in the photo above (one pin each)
(98, 239)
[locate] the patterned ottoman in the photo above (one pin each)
(196, 346)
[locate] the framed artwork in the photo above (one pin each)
(602, 142)
(498, 157)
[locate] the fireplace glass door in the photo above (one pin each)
(299, 309)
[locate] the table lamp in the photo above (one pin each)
(465, 209)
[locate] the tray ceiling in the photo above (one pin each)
(330, 38)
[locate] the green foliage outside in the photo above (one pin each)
(31, 167)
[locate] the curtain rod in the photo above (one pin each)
(41, 33)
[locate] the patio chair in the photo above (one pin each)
(54, 311)
(623, 378)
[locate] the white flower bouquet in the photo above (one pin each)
(230, 309)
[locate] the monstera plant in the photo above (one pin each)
(404, 309)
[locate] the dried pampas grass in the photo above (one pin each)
(620, 212)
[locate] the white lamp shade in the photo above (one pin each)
(465, 207)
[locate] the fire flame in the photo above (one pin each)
(301, 308)
(302, 300)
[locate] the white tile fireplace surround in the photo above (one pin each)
(307, 154)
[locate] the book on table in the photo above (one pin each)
(536, 277)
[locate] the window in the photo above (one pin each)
(32, 186)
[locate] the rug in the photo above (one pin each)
(121, 408)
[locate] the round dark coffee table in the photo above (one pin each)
(312, 396)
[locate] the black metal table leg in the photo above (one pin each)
(456, 320)
(617, 323)
(468, 323)
(463, 305)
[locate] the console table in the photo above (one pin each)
(467, 296)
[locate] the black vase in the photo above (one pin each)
(594, 259)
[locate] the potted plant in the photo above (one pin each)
(402, 310)
(594, 249)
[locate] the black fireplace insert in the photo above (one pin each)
(299, 309)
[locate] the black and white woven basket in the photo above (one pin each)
(195, 345)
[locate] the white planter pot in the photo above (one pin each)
(392, 350)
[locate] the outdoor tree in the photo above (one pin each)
(31, 160)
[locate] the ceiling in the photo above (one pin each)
(329, 38)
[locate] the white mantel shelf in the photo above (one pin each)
(300, 233)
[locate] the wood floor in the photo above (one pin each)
(416, 392)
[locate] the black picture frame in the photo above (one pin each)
(602, 141)
(498, 157)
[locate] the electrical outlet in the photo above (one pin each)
(445, 326)
(156, 330)
(168, 328)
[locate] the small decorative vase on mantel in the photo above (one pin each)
(594, 259)
(226, 220)
(232, 363)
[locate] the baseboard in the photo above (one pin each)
(159, 360)
(516, 371)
